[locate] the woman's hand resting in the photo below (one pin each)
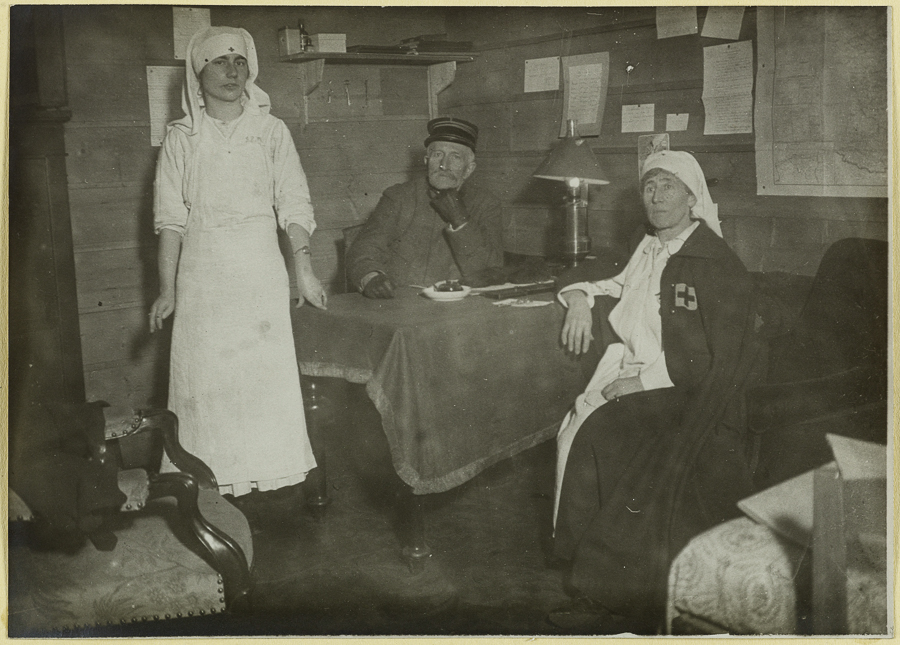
(310, 289)
(161, 309)
(621, 387)
(576, 332)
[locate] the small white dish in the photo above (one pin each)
(446, 296)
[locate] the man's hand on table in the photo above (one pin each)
(621, 387)
(380, 286)
(576, 331)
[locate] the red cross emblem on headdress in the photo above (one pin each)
(685, 296)
(231, 49)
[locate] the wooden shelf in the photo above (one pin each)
(430, 58)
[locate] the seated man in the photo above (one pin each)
(433, 227)
(653, 451)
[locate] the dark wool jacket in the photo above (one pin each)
(692, 477)
(406, 238)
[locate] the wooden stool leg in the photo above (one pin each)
(415, 550)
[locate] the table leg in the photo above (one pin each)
(415, 550)
(316, 407)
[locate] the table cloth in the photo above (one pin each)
(459, 385)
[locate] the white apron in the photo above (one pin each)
(234, 382)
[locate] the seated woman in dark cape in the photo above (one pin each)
(653, 452)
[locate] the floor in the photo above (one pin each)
(342, 574)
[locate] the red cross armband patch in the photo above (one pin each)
(685, 296)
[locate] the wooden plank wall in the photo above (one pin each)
(518, 129)
(350, 153)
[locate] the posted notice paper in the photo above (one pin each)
(186, 21)
(542, 74)
(585, 80)
(163, 93)
(675, 21)
(676, 122)
(638, 118)
(728, 88)
(584, 92)
(723, 22)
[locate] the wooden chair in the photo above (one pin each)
(179, 548)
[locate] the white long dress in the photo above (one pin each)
(233, 380)
(637, 322)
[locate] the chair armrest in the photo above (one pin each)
(167, 422)
(120, 425)
(228, 557)
(782, 404)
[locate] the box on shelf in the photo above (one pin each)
(289, 41)
(335, 43)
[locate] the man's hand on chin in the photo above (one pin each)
(450, 207)
(380, 286)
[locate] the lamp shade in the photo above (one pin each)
(572, 157)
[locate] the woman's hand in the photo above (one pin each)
(621, 387)
(576, 331)
(310, 289)
(161, 309)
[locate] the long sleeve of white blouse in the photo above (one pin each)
(292, 201)
(609, 287)
(169, 207)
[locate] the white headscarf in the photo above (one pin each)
(210, 43)
(685, 167)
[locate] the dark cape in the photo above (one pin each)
(650, 470)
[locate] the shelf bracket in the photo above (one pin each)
(309, 74)
(440, 76)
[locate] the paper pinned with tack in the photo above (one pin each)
(163, 96)
(187, 21)
(728, 88)
(723, 22)
(638, 118)
(584, 92)
(675, 21)
(858, 459)
(676, 122)
(542, 74)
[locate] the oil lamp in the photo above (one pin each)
(573, 162)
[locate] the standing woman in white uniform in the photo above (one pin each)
(228, 176)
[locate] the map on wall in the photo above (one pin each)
(822, 101)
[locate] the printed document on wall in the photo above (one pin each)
(186, 21)
(675, 21)
(723, 22)
(728, 88)
(585, 81)
(542, 74)
(164, 94)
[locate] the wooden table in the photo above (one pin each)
(459, 385)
